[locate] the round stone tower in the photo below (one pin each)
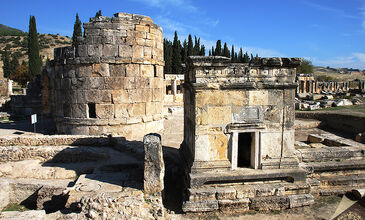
(112, 81)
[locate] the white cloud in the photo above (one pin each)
(355, 60)
(335, 11)
(163, 4)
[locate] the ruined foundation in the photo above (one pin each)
(112, 81)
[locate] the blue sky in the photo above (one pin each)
(328, 32)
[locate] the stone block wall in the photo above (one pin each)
(223, 99)
(112, 81)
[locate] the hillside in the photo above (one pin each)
(17, 45)
(8, 31)
(337, 74)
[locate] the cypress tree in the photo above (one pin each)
(196, 50)
(210, 52)
(6, 63)
(226, 50)
(232, 55)
(184, 51)
(190, 46)
(240, 56)
(218, 48)
(77, 31)
(14, 63)
(167, 56)
(202, 50)
(33, 48)
(98, 14)
(176, 56)
(213, 51)
(246, 58)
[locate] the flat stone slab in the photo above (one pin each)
(90, 184)
(330, 166)
(201, 206)
(29, 215)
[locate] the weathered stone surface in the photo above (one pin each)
(314, 138)
(118, 61)
(30, 215)
(270, 203)
(236, 204)
(300, 200)
(154, 167)
(4, 194)
(202, 194)
(201, 206)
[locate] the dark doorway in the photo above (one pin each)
(244, 150)
(92, 111)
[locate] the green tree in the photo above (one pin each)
(167, 56)
(33, 48)
(196, 50)
(77, 31)
(210, 52)
(6, 63)
(246, 58)
(190, 46)
(218, 48)
(226, 50)
(232, 55)
(184, 51)
(305, 67)
(14, 63)
(213, 51)
(240, 56)
(98, 14)
(21, 75)
(202, 50)
(176, 55)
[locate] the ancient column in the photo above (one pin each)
(154, 167)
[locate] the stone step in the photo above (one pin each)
(269, 203)
(330, 154)
(343, 181)
(246, 176)
(332, 166)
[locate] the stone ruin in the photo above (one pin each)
(238, 127)
(112, 81)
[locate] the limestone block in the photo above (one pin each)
(140, 41)
(142, 82)
(202, 194)
(201, 206)
(236, 204)
(219, 115)
(100, 70)
(142, 28)
(97, 96)
(269, 203)
(95, 83)
(300, 200)
(147, 52)
(154, 167)
(121, 110)
(137, 109)
(83, 71)
(118, 70)
(221, 98)
(317, 145)
(120, 97)
(258, 97)
(95, 50)
(224, 193)
(137, 51)
(218, 146)
(4, 194)
(135, 95)
(79, 111)
(245, 191)
(104, 111)
(133, 70)
(32, 214)
(113, 83)
(125, 51)
(147, 70)
(153, 108)
(315, 138)
(129, 82)
(81, 50)
(157, 95)
(110, 50)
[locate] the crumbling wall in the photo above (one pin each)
(112, 81)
